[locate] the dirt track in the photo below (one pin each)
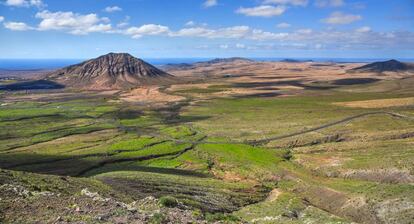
(262, 141)
(266, 140)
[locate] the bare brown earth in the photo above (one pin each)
(151, 94)
(382, 103)
(244, 78)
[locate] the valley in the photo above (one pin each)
(225, 141)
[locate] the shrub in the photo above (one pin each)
(157, 218)
(221, 217)
(168, 201)
(288, 155)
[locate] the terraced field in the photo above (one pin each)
(307, 158)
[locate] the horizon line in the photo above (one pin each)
(217, 57)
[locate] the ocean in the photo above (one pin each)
(38, 64)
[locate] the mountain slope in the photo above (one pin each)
(384, 66)
(110, 71)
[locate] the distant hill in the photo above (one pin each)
(23, 74)
(384, 66)
(228, 60)
(110, 71)
(288, 60)
(180, 66)
(187, 66)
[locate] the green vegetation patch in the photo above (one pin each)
(286, 208)
(189, 188)
(242, 161)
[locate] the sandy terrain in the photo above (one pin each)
(396, 102)
(150, 94)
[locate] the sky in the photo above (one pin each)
(39, 29)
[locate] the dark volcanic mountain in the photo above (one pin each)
(384, 66)
(110, 71)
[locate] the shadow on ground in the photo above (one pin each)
(32, 85)
(354, 81)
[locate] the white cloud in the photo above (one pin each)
(1, 19)
(17, 26)
(124, 22)
(190, 23)
(305, 38)
(341, 18)
(147, 29)
(283, 25)
(224, 46)
(72, 22)
(240, 46)
(234, 32)
(338, 40)
(17, 3)
(304, 31)
(363, 29)
(94, 28)
(105, 20)
(113, 9)
(361, 38)
(210, 3)
(37, 3)
(257, 34)
(231, 32)
(287, 2)
(25, 3)
(193, 32)
(329, 3)
(228, 32)
(262, 11)
(318, 46)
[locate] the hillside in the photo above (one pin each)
(384, 66)
(213, 62)
(110, 71)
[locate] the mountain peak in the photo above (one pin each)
(110, 71)
(117, 55)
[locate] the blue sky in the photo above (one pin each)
(207, 28)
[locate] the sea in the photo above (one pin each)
(40, 64)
